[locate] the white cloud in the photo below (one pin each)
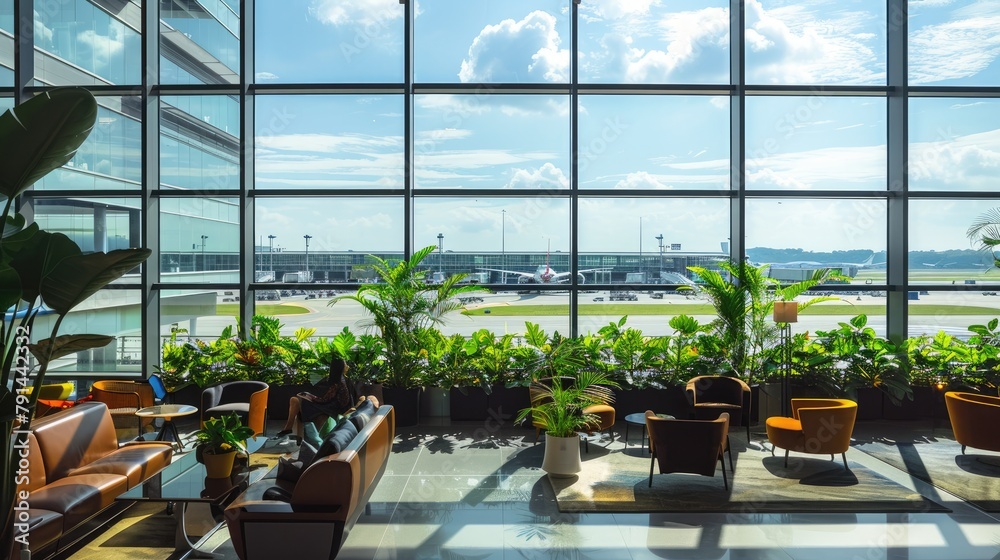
(956, 49)
(327, 143)
(697, 44)
(793, 45)
(443, 134)
(969, 162)
(641, 180)
(103, 47)
(548, 176)
(356, 12)
(517, 51)
(618, 9)
(265, 76)
(845, 167)
(477, 159)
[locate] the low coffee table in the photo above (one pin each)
(167, 412)
(183, 482)
(639, 419)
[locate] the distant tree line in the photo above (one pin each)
(953, 258)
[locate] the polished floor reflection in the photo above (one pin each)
(451, 492)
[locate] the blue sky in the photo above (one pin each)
(645, 142)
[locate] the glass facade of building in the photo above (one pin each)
(259, 145)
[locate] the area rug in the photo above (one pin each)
(145, 530)
(933, 456)
(617, 481)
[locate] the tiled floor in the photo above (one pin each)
(447, 494)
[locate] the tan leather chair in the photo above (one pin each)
(123, 399)
(711, 395)
(973, 418)
(687, 446)
(822, 426)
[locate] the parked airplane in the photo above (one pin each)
(544, 274)
(868, 263)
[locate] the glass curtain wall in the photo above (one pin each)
(576, 156)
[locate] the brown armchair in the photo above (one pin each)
(123, 399)
(248, 399)
(713, 394)
(972, 419)
(687, 446)
(822, 426)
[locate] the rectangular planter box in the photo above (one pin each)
(468, 403)
(504, 403)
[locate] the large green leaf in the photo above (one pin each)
(12, 225)
(42, 134)
(67, 344)
(10, 287)
(37, 256)
(74, 279)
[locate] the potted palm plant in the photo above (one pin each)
(39, 267)
(558, 406)
(218, 441)
(399, 305)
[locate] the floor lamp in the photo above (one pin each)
(785, 313)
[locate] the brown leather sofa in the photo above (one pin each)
(310, 519)
(76, 469)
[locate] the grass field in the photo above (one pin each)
(618, 309)
(233, 309)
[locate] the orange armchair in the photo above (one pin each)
(123, 399)
(973, 418)
(687, 446)
(822, 426)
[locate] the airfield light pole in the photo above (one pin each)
(270, 252)
(203, 264)
(640, 251)
(441, 253)
(503, 245)
(659, 238)
(307, 237)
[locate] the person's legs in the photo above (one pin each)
(293, 423)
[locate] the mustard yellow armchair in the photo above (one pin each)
(973, 418)
(822, 426)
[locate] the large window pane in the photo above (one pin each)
(954, 144)
(650, 42)
(300, 41)
(115, 313)
(81, 44)
(493, 41)
(343, 141)
(200, 42)
(954, 43)
(199, 240)
(940, 251)
(798, 237)
(111, 157)
(653, 142)
(95, 224)
(199, 142)
(952, 312)
(812, 42)
(498, 141)
(830, 143)
(342, 231)
(201, 313)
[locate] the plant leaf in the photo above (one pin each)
(42, 134)
(75, 278)
(67, 344)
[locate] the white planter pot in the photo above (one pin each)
(562, 456)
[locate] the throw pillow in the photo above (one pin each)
(307, 454)
(315, 435)
(337, 440)
(362, 415)
(289, 469)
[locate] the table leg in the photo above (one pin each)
(626, 433)
(182, 543)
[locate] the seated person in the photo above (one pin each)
(307, 407)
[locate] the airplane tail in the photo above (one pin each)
(870, 260)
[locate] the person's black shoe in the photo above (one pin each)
(282, 434)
